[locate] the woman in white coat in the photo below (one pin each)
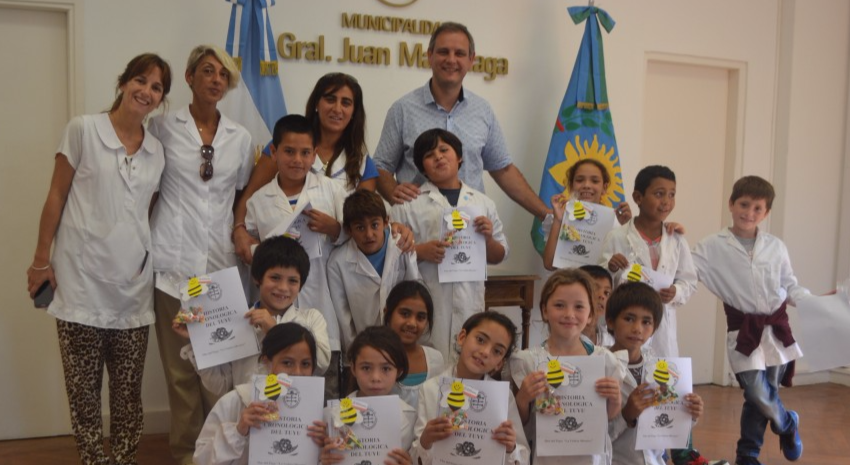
(208, 161)
(106, 172)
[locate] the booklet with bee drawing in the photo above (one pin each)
(466, 256)
(293, 403)
(475, 408)
(225, 334)
(571, 418)
(667, 423)
(581, 233)
(365, 429)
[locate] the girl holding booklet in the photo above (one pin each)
(410, 313)
(566, 304)
(287, 348)
(378, 361)
(486, 340)
(587, 180)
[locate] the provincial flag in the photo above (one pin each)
(583, 126)
(257, 103)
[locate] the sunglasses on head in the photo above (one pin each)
(207, 152)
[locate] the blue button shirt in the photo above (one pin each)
(471, 120)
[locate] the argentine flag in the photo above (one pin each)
(257, 103)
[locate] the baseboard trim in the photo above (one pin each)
(840, 376)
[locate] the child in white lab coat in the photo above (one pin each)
(279, 270)
(410, 314)
(288, 348)
(438, 154)
(566, 304)
(645, 240)
(378, 361)
(634, 313)
(486, 340)
(750, 271)
(363, 270)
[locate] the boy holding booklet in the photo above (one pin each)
(279, 269)
(634, 313)
(437, 154)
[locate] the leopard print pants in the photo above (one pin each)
(85, 350)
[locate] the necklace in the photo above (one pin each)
(212, 128)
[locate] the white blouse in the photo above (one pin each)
(102, 248)
(192, 219)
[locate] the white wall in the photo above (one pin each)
(541, 43)
(809, 164)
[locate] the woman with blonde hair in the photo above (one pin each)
(208, 161)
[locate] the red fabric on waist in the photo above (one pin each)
(750, 327)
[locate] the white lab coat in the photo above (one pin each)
(621, 434)
(101, 258)
(525, 362)
(357, 292)
(192, 220)
(759, 285)
(408, 418)
(675, 259)
(269, 207)
(219, 443)
(429, 396)
(453, 302)
(220, 379)
(436, 365)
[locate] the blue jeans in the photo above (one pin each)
(761, 405)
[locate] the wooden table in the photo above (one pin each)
(512, 291)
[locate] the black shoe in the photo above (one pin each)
(747, 461)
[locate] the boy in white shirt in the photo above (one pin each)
(276, 203)
(362, 272)
(279, 269)
(437, 154)
(750, 271)
(633, 314)
(644, 240)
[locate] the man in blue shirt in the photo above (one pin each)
(444, 103)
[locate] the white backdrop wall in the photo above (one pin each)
(541, 43)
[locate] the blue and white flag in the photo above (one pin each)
(257, 103)
(583, 126)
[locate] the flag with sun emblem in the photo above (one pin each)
(257, 102)
(583, 127)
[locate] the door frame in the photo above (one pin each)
(732, 167)
(73, 11)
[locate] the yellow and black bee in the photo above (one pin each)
(347, 413)
(457, 220)
(194, 287)
(661, 375)
(555, 375)
(579, 212)
(456, 399)
(273, 389)
(635, 274)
